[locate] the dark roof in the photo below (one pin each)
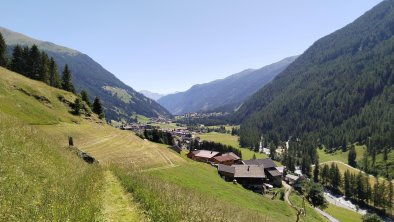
(225, 168)
(249, 171)
(267, 162)
(274, 172)
(224, 158)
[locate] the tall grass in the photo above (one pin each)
(41, 181)
(166, 201)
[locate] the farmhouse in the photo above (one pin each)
(250, 176)
(226, 159)
(203, 155)
(273, 175)
(293, 180)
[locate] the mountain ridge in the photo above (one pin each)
(93, 77)
(223, 94)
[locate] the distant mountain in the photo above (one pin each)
(119, 99)
(223, 94)
(152, 95)
(338, 92)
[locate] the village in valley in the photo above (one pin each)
(260, 175)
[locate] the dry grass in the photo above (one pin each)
(110, 145)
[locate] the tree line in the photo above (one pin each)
(37, 65)
(218, 147)
(159, 136)
(357, 187)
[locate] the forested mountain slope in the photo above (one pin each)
(339, 91)
(223, 94)
(119, 99)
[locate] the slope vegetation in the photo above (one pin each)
(53, 184)
(91, 76)
(224, 94)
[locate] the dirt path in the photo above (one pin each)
(117, 205)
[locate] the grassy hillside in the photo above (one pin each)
(119, 99)
(339, 155)
(41, 180)
(53, 184)
(230, 140)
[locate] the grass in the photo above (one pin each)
(339, 155)
(231, 140)
(116, 203)
(122, 94)
(342, 214)
(203, 179)
(53, 184)
(15, 102)
(169, 126)
(311, 214)
(42, 181)
(110, 145)
(168, 198)
(343, 167)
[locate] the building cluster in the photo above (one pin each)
(255, 174)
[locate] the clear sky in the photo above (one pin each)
(169, 45)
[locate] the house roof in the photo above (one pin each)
(274, 172)
(234, 155)
(224, 158)
(292, 177)
(249, 171)
(280, 168)
(267, 162)
(225, 168)
(205, 153)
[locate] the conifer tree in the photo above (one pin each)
(352, 156)
(44, 68)
(97, 107)
(67, 80)
(34, 63)
(390, 196)
(17, 61)
(346, 184)
(316, 171)
(3, 52)
(54, 78)
(77, 106)
(85, 97)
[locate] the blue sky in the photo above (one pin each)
(167, 46)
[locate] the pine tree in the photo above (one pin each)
(34, 63)
(360, 186)
(352, 156)
(44, 68)
(54, 78)
(368, 190)
(3, 52)
(390, 196)
(17, 61)
(67, 80)
(85, 97)
(325, 174)
(97, 107)
(25, 61)
(346, 184)
(77, 106)
(376, 193)
(316, 171)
